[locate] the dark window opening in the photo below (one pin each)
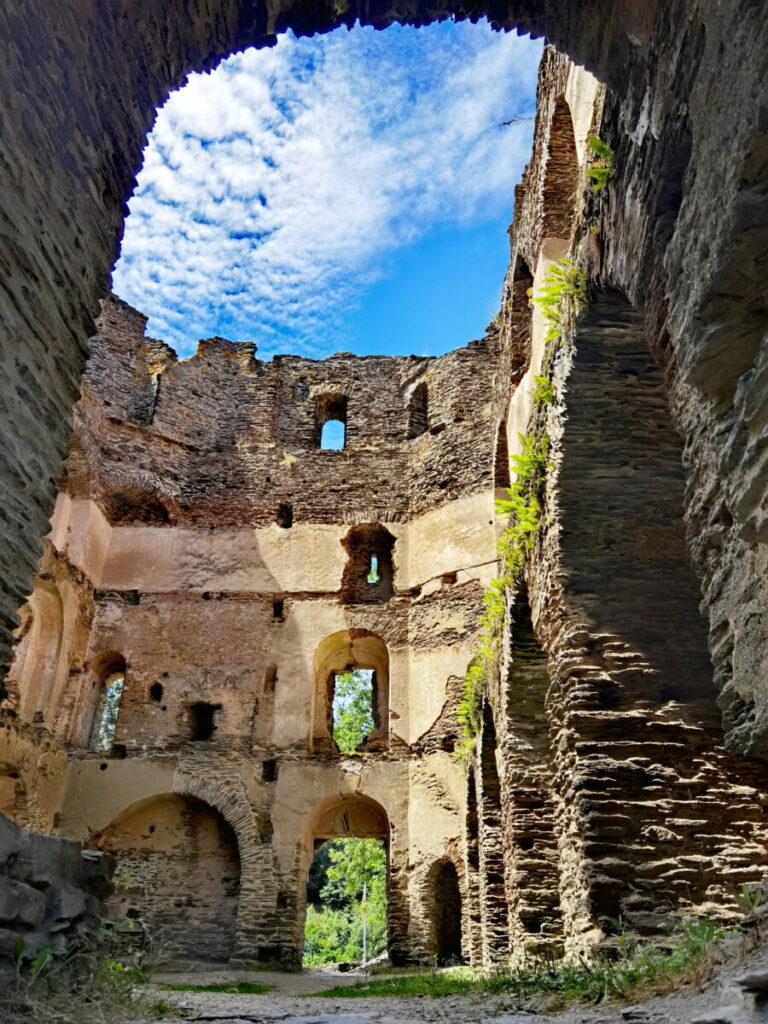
(369, 573)
(353, 708)
(284, 517)
(277, 609)
(202, 721)
(270, 678)
(447, 914)
(156, 692)
(331, 422)
(501, 473)
(269, 771)
(418, 411)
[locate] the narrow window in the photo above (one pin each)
(277, 609)
(418, 411)
(373, 572)
(269, 771)
(202, 721)
(106, 723)
(352, 708)
(331, 422)
(270, 678)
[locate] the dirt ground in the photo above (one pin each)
(721, 1000)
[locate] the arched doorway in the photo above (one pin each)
(345, 862)
(177, 877)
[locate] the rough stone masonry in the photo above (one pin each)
(211, 568)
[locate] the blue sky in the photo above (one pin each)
(349, 192)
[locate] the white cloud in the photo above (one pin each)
(274, 189)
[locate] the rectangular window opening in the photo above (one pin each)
(352, 708)
(373, 572)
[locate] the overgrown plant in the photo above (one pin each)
(563, 293)
(542, 392)
(522, 508)
(638, 970)
(601, 167)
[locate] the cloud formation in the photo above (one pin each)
(275, 189)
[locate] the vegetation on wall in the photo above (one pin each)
(601, 167)
(563, 292)
(348, 891)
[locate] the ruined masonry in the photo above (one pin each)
(212, 567)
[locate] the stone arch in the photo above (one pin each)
(178, 873)
(351, 815)
(103, 668)
(37, 660)
(136, 500)
(418, 411)
(363, 544)
(561, 175)
(350, 648)
(258, 893)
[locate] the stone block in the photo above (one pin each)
(10, 841)
(21, 904)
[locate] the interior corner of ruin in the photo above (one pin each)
(543, 555)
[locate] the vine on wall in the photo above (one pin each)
(563, 293)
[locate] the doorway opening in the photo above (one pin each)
(346, 918)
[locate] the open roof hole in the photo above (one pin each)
(386, 241)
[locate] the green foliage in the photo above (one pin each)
(334, 931)
(522, 509)
(638, 970)
(750, 897)
(601, 168)
(563, 293)
(352, 711)
(542, 392)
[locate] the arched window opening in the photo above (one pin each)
(133, 506)
(418, 411)
(351, 693)
(353, 708)
(112, 684)
(446, 913)
(562, 174)
(331, 422)
(368, 574)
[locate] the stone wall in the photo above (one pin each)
(51, 891)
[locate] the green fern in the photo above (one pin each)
(601, 168)
(563, 292)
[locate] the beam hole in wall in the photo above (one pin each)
(201, 718)
(269, 770)
(156, 693)
(284, 517)
(278, 609)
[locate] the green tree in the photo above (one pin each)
(352, 708)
